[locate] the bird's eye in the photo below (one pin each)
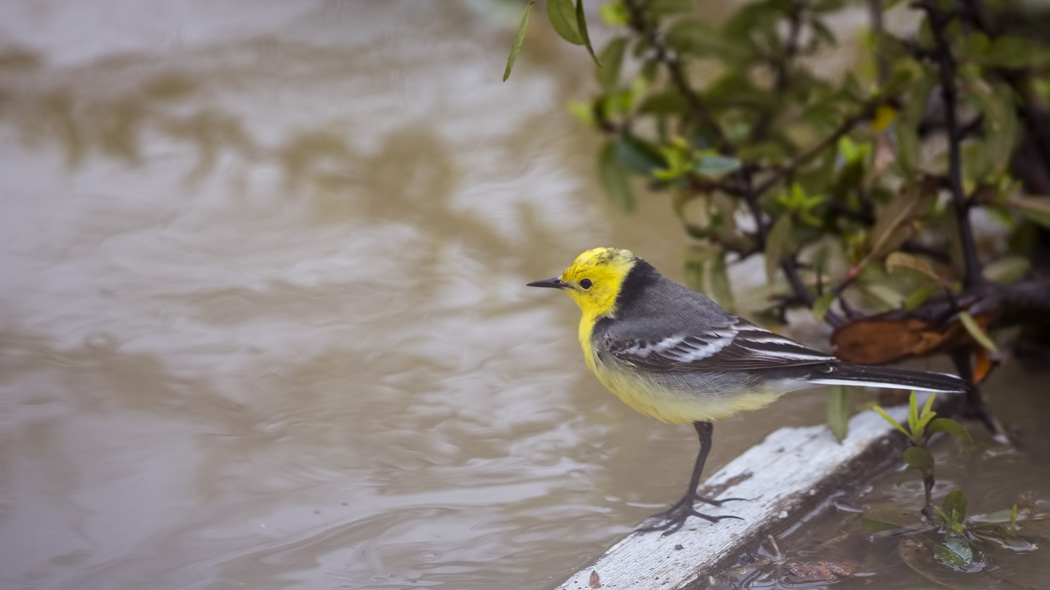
(586, 283)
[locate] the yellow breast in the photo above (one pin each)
(677, 406)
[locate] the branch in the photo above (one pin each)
(947, 67)
(664, 55)
(803, 158)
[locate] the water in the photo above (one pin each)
(262, 316)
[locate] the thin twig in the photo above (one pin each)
(800, 160)
(664, 55)
(947, 67)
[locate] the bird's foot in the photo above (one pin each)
(672, 519)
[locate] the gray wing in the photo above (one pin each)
(735, 345)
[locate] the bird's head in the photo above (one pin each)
(594, 279)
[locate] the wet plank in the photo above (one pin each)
(784, 477)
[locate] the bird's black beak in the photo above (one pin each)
(554, 283)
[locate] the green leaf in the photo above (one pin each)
(581, 24)
(716, 165)
(518, 39)
(615, 179)
(1008, 269)
(907, 147)
(955, 506)
(894, 223)
(996, 103)
(1036, 209)
(925, 415)
(667, 103)
(884, 517)
(838, 412)
(1007, 51)
(919, 296)
(897, 260)
(778, 245)
(918, 458)
(892, 421)
(698, 38)
(977, 332)
(821, 305)
(1004, 516)
(954, 552)
(611, 59)
(638, 155)
(949, 427)
(913, 415)
(563, 18)
(615, 13)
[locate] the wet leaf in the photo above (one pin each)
(954, 552)
(778, 245)
(581, 25)
(562, 15)
(918, 458)
(884, 517)
(920, 558)
(518, 39)
(615, 179)
(954, 505)
(949, 427)
(838, 411)
(977, 331)
(611, 59)
(1004, 516)
(594, 581)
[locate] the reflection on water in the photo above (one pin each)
(263, 319)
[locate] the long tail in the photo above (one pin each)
(887, 377)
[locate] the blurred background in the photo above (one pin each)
(262, 316)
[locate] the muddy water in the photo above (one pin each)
(262, 317)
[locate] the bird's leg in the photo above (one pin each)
(674, 518)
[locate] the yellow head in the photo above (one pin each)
(594, 279)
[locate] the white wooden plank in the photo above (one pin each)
(783, 477)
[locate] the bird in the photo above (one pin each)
(673, 354)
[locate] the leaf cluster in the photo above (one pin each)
(957, 535)
(858, 187)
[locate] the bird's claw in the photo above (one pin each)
(673, 519)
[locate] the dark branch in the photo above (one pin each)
(800, 160)
(939, 21)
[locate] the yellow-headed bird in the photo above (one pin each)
(675, 355)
